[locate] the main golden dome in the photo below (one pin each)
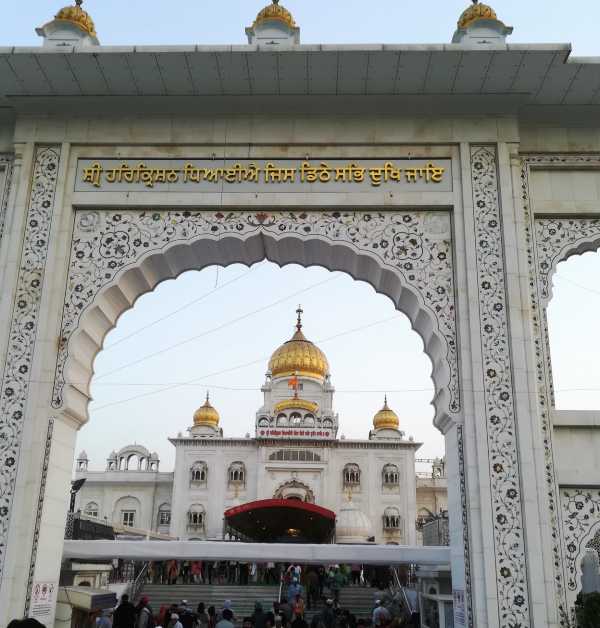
(275, 12)
(386, 418)
(76, 15)
(476, 12)
(299, 356)
(206, 415)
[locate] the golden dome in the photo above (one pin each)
(76, 15)
(299, 356)
(275, 12)
(386, 418)
(206, 415)
(476, 12)
(295, 403)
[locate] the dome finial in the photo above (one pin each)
(78, 2)
(299, 311)
(207, 396)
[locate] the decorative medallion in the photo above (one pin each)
(511, 564)
(14, 390)
(415, 244)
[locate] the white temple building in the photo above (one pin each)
(295, 454)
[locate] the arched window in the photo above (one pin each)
(295, 418)
(351, 475)
(199, 473)
(196, 517)
(91, 510)
(390, 475)
(309, 420)
(263, 422)
(164, 515)
(391, 519)
(237, 473)
(327, 423)
(281, 420)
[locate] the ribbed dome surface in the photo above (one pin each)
(76, 15)
(352, 525)
(476, 12)
(275, 12)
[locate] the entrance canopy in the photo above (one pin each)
(257, 552)
(281, 520)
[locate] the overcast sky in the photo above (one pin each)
(253, 309)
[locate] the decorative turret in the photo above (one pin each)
(206, 421)
(82, 461)
(71, 26)
(386, 423)
(274, 26)
(479, 24)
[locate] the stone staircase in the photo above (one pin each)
(359, 600)
(242, 597)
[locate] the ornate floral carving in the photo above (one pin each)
(548, 243)
(580, 510)
(558, 238)
(38, 514)
(415, 244)
(22, 335)
(511, 566)
(465, 523)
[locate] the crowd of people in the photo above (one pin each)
(242, 573)
(314, 588)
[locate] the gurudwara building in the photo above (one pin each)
(454, 178)
(233, 487)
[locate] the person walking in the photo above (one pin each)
(259, 617)
(202, 616)
(145, 618)
(312, 588)
(227, 619)
(125, 614)
(174, 623)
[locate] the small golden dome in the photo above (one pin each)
(295, 403)
(299, 356)
(76, 15)
(476, 12)
(206, 415)
(386, 418)
(275, 12)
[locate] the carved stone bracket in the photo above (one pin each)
(511, 564)
(14, 390)
(391, 250)
(580, 510)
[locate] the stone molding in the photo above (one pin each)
(465, 524)
(14, 390)
(506, 493)
(6, 164)
(118, 255)
(550, 241)
(38, 514)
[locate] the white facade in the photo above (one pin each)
(295, 454)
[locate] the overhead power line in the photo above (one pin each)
(169, 387)
(218, 327)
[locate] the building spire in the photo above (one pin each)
(299, 311)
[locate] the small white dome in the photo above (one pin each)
(83, 455)
(352, 526)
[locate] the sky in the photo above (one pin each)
(225, 323)
(161, 22)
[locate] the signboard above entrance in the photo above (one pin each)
(271, 175)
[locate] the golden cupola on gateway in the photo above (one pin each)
(479, 24)
(71, 26)
(298, 395)
(274, 27)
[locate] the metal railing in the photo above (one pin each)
(138, 583)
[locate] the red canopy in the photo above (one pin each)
(280, 520)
